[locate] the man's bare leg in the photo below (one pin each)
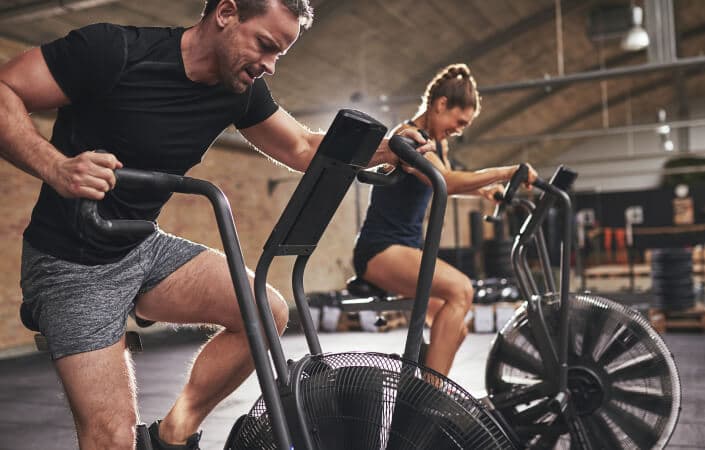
(201, 291)
(105, 412)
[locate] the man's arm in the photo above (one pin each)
(286, 140)
(26, 85)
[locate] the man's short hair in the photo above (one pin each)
(248, 9)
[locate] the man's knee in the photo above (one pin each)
(109, 432)
(280, 311)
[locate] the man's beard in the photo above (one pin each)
(230, 79)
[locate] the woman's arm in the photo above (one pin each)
(470, 182)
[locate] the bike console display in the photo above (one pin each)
(348, 146)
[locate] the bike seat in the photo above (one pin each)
(361, 288)
(27, 319)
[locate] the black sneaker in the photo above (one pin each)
(158, 444)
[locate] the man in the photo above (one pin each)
(153, 99)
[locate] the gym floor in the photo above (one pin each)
(34, 415)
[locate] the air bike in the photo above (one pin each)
(576, 370)
(355, 400)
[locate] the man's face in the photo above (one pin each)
(247, 50)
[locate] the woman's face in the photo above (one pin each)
(445, 122)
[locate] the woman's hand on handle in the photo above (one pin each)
(490, 192)
(87, 175)
(385, 155)
(532, 176)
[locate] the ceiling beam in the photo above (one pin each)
(592, 132)
(522, 105)
(45, 9)
(595, 75)
(475, 50)
(467, 52)
(597, 107)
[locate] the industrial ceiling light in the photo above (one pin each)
(636, 38)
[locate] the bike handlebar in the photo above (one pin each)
(380, 178)
(520, 176)
(403, 147)
(131, 179)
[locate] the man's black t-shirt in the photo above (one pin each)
(130, 96)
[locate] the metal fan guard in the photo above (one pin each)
(596, 324)
(360, 401)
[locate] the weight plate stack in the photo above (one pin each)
(672, 277)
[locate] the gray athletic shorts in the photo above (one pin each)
(82, 308)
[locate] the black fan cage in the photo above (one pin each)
(624, 383)
(359, 401)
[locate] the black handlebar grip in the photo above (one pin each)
(88, 210)
(495, 216)
(378, 178)
(520, 176)
(147, 180)
(129, 179)
(405, 149)
(541, 184)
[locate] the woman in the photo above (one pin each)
(388, 248)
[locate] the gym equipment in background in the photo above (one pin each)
(578, 371)
(672, 278)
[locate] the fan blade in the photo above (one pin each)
(512, 355)
(525, 331)
(621, 342)
(600, 433)
(642, 433)
(639, 368)
(593, 330)
(495, 383)
(579, 436)
(654, 403)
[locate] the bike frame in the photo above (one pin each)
(345, 150)
(554, 357)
